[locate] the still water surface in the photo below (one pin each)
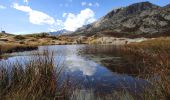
(82, 70)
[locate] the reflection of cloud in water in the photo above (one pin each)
(76, 63)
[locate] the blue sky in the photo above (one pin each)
(29, 16)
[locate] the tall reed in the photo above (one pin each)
(36, 79)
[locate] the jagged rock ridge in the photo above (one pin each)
(138, 18)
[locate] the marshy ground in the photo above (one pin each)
(38, 79)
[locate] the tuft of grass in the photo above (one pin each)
(36, 79)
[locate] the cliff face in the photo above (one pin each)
(138, 18)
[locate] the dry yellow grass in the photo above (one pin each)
(154, 45)
(9, 48)
(151, 58)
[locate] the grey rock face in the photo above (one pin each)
(137, 18)
(63, 31)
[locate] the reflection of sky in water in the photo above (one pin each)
(72, 60)
(86, 72)
(75, 63)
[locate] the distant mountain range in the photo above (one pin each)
(60, 32)
(138, 18)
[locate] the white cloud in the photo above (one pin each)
(97, 4)
(74, 21)
(65, 5)
(64, 14)
(87, 68)
(83, 3)
(35, 17)
(91, 20)
(59, 24)
(22, 8)
(26, 1)
(90, 4)
(2, 7)
(39, 18)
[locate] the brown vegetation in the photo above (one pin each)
(151, 59)
(36, 81)
(9, 48)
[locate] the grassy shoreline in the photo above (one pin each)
(38, 81)
(10, 48)
(151, 59)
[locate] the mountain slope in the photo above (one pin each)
(63, 31)
(138, 18)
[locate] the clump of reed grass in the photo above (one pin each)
(33, 80)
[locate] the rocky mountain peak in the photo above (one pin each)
(138, 7)
(59, 32)
(138, 18)
(132, 9)
(167, 6)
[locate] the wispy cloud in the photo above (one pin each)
(97, 4)
(35, 17)
(64, 5)
(90, 4)
(59, 24)
(83, 3)
(64, 14)
(2, 7)
(26, 1)
(70, 0)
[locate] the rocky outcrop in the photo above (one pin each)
(138, 18)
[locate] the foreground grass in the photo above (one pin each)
(151, 59)
(33, 80)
